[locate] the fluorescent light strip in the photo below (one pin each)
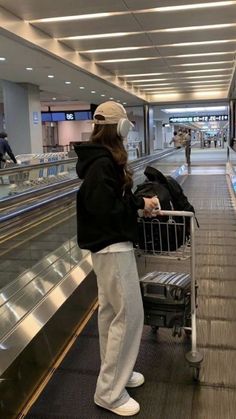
(178, 72)
(209, 76)
(124, 60)
(142, 74)
(88, 51)
(189, 6)
(196, 109)
(151, 10)
(119, 34)
(120, 60)
(184, 77)
(186, 88)
(199, 64)
(184, 85)
(186, 91)
(182, 44)
(184, 82)
(77, 17)
(196, 28)
(209, 70)
(144, 80)
(202, 54)
(99, 35)
(186, 44)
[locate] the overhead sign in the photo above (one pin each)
(201, 118)
(59, 116)
(70, 116)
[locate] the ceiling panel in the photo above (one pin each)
(192, 36)
(139, 4)
(152, 21)
(35, 9)
(121, 41)
(19, 57)
(196, 49)
(110, 24)
(152, 30)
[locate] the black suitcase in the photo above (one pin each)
(167, 300)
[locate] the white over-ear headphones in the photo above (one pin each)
(123, 127)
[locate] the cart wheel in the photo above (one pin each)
(177, 331)
(154, 329)
(196, 373)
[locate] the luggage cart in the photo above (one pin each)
(168, 239)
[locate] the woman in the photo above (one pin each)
(107, 226)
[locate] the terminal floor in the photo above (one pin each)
(169, 392)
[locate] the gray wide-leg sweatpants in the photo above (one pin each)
(120, 324)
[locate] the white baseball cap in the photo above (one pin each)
(113, 112)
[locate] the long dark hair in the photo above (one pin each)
(107, 136)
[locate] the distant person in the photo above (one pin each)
(176, 139)
(215, 141)
(187, 145)
(5, 149)
(107, 226)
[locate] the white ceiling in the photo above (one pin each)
(208, 74)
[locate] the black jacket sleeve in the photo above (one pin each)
(103, 194)
(8, 150)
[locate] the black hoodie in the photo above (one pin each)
(105, 215)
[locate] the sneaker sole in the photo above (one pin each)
(127, 413)
(138, 384)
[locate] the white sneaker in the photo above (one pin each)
(130, 408)
(136, 380)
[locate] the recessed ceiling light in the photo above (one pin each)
(82, 87)
(111, 98)
(51, 76)
(67, 82)
(103, 95)
(124, 103)
(93, 91)
(54, 98)
(29, 68)
(2, 59)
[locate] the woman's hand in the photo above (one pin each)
(152, 206)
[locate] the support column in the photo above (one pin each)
(159, 135)
(232, 110)
(22, 111)
(149, 130)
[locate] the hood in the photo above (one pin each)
(154, 175)
(87, 153)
